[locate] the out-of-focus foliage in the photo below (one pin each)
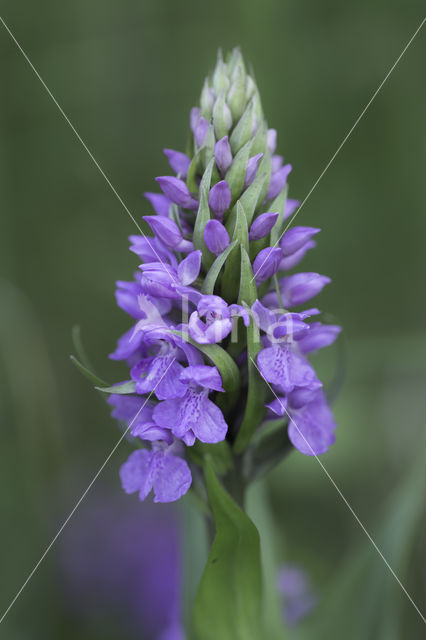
(127, 74)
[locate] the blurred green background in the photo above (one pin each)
(127, 74)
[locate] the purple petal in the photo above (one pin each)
(211, 333)
(127, 298)
(278, 180)
(290, 207)
(178, 161)
(189, 268)
(311, 429)
(159, 374)
(251, 169)
(177, 191)
(301, 287)
(214, 305)
(266, 263)
(319, 336)
(210, 426)
(160, 203)
(290, 324)
(171, 478)
(263, 317)
(262, 225)
(223, 155)
(220, 198)
(200, 131)
(278, 406)
(280, 366)
(165, 229)
(151, 250)
(295, 238)
(136, 473)
(291, 261)
(130, 409)
(127, 346)
(203, 376)
(194, 117)
(237, 310)
(216, 237)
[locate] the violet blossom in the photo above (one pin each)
(213, 295)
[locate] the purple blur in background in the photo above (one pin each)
(120, 563)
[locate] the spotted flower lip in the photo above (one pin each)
(158, 469)
(194, 415)
(212, 287)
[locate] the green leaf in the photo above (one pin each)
(248, 290)
(262, 514)
(256, 192)
(213, 273)
(254, 409)
(242, 131)
(236, 174)
(228, 602)
(237, 227)
(191, 181)
(277, 206)
(203, 214)
(122, 389)
(220, 120)
(259, 143)
(100, 384)
(237, 94)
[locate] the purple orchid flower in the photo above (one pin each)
(194, 415)
(159, 373)
(182, 299)
(136, 412)
(158, 469)
(218, 319)
(312, 426)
